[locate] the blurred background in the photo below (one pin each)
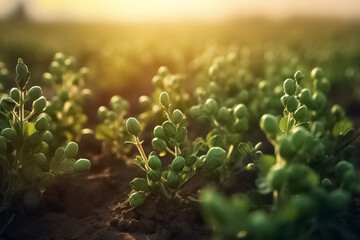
(124, 42)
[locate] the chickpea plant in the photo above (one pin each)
(170, 137)
(66, 107)
(26, 167)
(163, 81)
(112, 130)
(311, 178)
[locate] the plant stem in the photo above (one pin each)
(142, 153)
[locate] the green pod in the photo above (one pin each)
(133, 126)
(341, 168)
(164, 100)
(178, 164)
(173, 180)
(34, 139)
(348, 178)
(159, 132)
(251, 167)
(82, 164)
(301, 114)
(241, 111)
(292, 104)
(260, 224)
(317, 73)
(287, 149)
(163, 71)
(305, 96)
(318, 148)
(48, 137)
(145, 101)
(22, 74)
(70, 62)
(3, 145)
(289, 86)
(242, 125)
(338, 200)
(222, 114)
(195, 111)
(154, 162)
(47, 77)
(177, 116)
(42, 124)
(181, 135)
(299, 137)
(338, 111)
(39, 158)
(154, 175)
(326, 183)
(284, 99)
(157, 81)
(102, 112)
(59, 57)
(210, 106)
(34, 93)
(137, 199)
(269, 124)
(55, 68)
(319, 99)
(8, 104)
(64, 95)
(277, 177)
(213, 87)
(71, 150)
(317, 129)
(139, 184)
(15, 94)
(9, 134)
(214, 158)
(298, 76)
(243, 96)
(158, 145)
(39, 104)
(169, 129)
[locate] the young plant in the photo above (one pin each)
(112, 130)
(26, 167)
(66, 107)
(170, 137)
(311, 184)
(163, 81)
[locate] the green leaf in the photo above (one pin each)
(342, 127)
(283, 123)
(265, 163)
(244, 148)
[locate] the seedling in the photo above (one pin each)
(170, 83)
(66, 107)
(112, 130)
(171, 138)
(311, 184)
(26, 167)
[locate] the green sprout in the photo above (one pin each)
(66, 107)
(170, 137)
(26, 167)
(112, 130)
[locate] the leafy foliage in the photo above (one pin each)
(26, 166)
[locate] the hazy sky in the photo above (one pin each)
(148, 10)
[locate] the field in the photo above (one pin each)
(200, 97)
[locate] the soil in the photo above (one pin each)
(94, 206)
